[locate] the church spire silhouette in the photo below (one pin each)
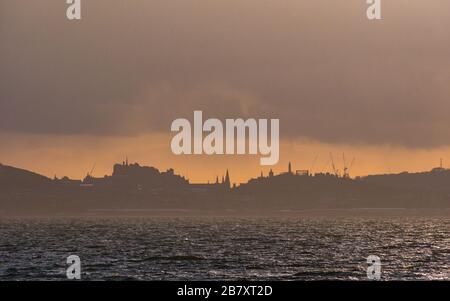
(227, 180)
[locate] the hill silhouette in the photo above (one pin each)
(12, 176)
(136, 188)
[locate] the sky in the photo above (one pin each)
(75, 93)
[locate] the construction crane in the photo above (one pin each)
(351, 163)
(92, 170)
(336, 172)
(325, 166)
(314, 162)
(347, 167)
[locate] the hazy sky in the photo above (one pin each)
(74, 93)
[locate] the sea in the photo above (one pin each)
(202, 248)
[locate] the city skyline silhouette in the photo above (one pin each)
(145, 189)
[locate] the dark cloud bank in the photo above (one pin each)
(131, 67)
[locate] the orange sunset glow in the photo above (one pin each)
(75, 156)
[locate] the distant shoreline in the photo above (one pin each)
(307, 213)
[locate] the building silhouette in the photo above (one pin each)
(133, 186)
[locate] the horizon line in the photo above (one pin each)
(126, 163)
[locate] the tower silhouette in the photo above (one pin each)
(227, 180)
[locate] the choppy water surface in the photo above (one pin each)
(229, 249)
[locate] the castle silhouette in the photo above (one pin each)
(135, 187)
